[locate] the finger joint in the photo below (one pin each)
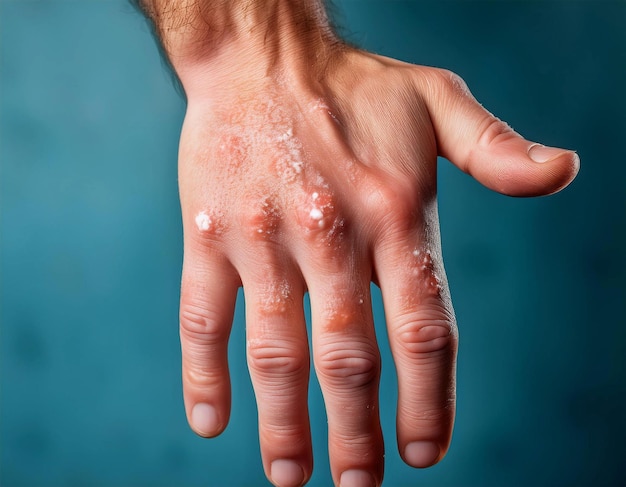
(344, 366)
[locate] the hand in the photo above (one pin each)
(306, 165)
(326, 185)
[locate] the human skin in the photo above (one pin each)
(306, 165)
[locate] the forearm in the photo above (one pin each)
(208, 36)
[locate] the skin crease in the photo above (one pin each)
(308, 165)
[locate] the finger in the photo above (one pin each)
(277, 349)
(487, 148)
(347, 362)
(423, 340)
(208, 295)
(346, 355)
(278, 361)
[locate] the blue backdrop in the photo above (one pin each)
(91, 253)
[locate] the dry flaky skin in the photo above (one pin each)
(308, 165)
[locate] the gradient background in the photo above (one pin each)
(91, 254)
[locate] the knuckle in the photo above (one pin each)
(421, 336)
(494, 130)
(197, 373)
(444, 81)
(204, 231)
(209, 224)
(197, 323)
(274, 358)
(320, 217)
(343, 365)
(260, 218)
(454, 82)
(203, 341)
(393, 207)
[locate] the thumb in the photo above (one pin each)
(487, 148)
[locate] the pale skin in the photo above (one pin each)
(306, 165)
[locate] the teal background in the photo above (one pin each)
(91, 253)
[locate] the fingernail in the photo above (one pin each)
(204, 419)
(356, 478)
(286, 473)
(421, 454)
(541, 153)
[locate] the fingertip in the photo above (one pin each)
(286, 473)
(567, 165)
(356, 478)
(205, 421)
(558, 167)
(519, 168)
(422, 454)
(575, 163)
(567, 160)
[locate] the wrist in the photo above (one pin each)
(215, 45)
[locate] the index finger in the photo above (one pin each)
(423, 339)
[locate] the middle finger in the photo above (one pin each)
(347, 360)
(278, 354)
